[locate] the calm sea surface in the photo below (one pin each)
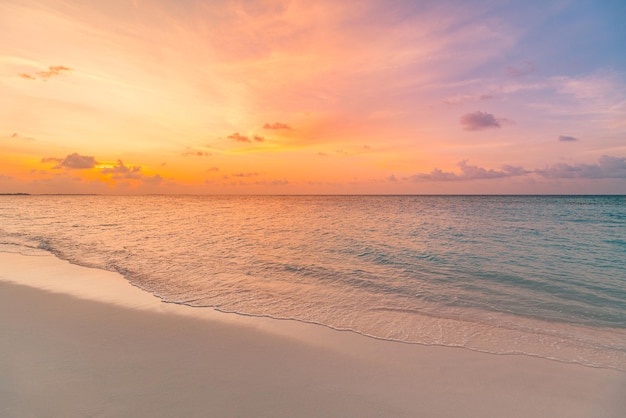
(544, 276)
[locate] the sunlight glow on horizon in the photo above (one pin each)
(273, 96)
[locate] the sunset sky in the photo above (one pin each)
(325, 96)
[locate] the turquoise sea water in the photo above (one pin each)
(538, 275)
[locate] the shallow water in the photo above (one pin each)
(538, 275)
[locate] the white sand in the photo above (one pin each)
(78, 342)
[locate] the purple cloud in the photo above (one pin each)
(471, 172)
(607, 168)
(478, 121)
(465, 98)
(565, 138)
(73, 161)
(121, 171)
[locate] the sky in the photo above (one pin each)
(313, 97)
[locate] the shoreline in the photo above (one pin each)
(82, 342)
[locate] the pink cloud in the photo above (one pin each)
(276, 126)
(238, 137)
(242, 138)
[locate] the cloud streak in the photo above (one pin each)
(466, 98)
(53, 71)
(241, 175)
(196, 153)
(565, 138)
(242, 138)
(18, 136)
(276, 126)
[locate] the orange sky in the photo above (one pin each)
(272, 96)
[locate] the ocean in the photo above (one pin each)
(536, 275)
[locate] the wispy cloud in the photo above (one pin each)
(18, 136)
(53, 70)
(196, 153)
(565, 138)
(478, 121)
(466, 98)
(281, 182)
(26, 76)
(241, 175)
(242, 138)
(51, 160)
(525, 68)
(276, 126)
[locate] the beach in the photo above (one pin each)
(83, 342)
